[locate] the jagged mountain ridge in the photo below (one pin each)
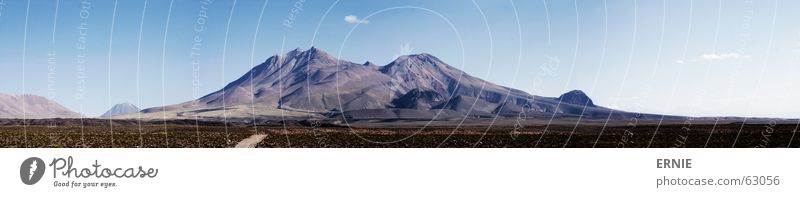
(313, 83)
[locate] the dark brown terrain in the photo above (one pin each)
(190, 134)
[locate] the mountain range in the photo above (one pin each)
(32, 107)
(312, 84)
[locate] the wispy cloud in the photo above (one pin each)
(715, 57)
(405, 49)
(723, 56)
(353, 19)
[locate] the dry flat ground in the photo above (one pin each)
(129, 136)
(218, 136)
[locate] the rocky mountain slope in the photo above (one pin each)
(32, 107)
(311, 83)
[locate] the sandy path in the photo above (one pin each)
(251, 141)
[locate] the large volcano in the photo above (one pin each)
(311, 83)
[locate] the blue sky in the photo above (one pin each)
(699, 58)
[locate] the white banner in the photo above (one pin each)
(402, 172)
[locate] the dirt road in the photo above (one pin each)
(251, 141)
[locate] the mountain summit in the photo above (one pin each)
(311, 83)
(120, 109)
(576, 97)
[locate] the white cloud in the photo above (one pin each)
(714, 57)
(723, 56)
(353, 19)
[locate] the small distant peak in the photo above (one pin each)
(576, 97)
(578, 92)
(120, 109)
(368, 63)
(126, 104)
